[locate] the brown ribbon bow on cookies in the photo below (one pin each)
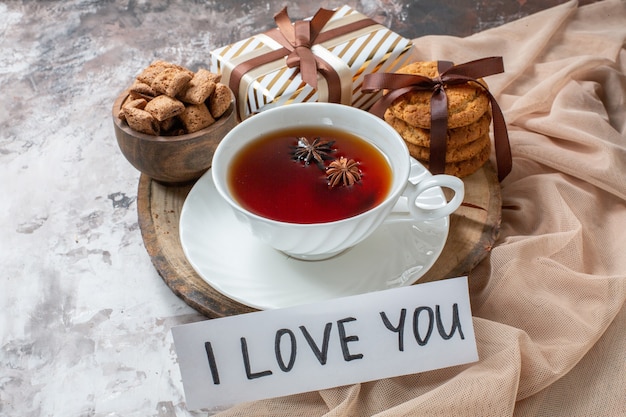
(449, 75)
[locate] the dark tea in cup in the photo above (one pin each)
(309, 175)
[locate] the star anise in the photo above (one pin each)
(317, 151)
(343, 170)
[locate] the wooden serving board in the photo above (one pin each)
(474, 228)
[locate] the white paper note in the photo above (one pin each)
(316, 346)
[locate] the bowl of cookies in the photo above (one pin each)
(170, 120)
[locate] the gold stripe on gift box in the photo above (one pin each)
(391, 61)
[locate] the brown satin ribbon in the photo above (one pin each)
(298, 38)
(296, 41)
(400, 84)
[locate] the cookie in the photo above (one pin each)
(149, 73)
(466, 102)
(199, 88)
(171, 81)
(163, 107)
(453, 154)
(220, 100)
(141, 90)
(464, 168)
(167, 125)
(196, 117)
(141, 121)
(139, 103)
(455, 137)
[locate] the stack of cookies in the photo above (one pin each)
(468, 144)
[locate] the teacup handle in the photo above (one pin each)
(413, 192)
(417, 184)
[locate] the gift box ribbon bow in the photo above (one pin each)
(449, 75)
(298, 38)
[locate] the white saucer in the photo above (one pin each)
(224, 253)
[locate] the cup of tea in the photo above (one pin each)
(314, 179)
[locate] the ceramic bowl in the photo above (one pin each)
(172, 159)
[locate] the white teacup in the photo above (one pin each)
(323, 240)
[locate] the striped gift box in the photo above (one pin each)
(361, 47)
